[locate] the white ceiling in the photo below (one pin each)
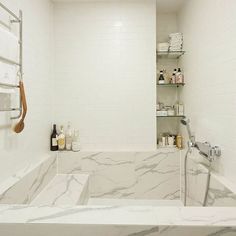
(162, 5)
(169, 5)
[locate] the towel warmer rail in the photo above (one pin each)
(18, 20)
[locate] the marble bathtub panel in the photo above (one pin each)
(219, 195)
(28, 187)
(196, 183)
(196, 231)
(117, 221)
(63, 190)
(111, 174)
(76, 230)
(110, 230)
(158, 175)
(153, 175)
(104, 215)
(71, 162)
(84, 197)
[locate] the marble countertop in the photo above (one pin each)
(120, 215)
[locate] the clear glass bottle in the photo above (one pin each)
(76, 143)
(61, 139)
(69, 137)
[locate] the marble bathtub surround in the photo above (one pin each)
(220, 193)
(112, 230)
(23, 187)
(162, 217)
(139, 175)
(64, 190)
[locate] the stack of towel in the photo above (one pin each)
(8, 49)
(163, 47)
(176, 42)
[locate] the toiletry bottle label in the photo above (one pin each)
(54, 142)
(61, 142)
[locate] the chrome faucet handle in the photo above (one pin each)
(217, 151)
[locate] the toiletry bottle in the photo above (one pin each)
(179, 142)
(161, 78)
(69, 137)
(75, 142)
(181, 109)
(176, 107)
(173, 78)
(61, 139)
(179, 77)
(54, 144)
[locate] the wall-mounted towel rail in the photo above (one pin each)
(19, 20)
(9, 85)
(10, 12)
(3, 59)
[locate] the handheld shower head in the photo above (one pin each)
(186, 123)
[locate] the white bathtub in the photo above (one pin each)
(106, 194)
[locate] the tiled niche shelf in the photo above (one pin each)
(170, 54)
(170, 85)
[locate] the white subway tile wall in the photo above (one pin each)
(209, 95)
(105, 66)
(17, 151)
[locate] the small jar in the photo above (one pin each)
(163, 141)
(170, 111)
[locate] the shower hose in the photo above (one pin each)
(186, 183)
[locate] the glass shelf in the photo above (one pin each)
(171, 85)
(170, 55)
(170, 116)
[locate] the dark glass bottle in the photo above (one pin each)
(54, 144)
(161, 78)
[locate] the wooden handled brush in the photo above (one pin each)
(20, 125)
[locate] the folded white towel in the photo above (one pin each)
(8, 75)
(172, 35)
(9, 45)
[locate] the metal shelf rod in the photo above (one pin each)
(9, 61)
(10, 109)
(10, 12)
(9, 85)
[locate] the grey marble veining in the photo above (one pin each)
(218, 195)
(151, 175)
(29, 183)
(109, 230)
(64, 190)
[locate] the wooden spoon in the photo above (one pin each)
(20, 125)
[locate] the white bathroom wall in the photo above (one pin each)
(105, 68)
(210, 41)
(17, 151)
(166, 24)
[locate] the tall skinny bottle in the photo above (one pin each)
(69, 137)
(54, 144)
